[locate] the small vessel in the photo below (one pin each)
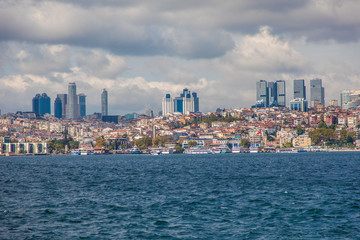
(221, 149)
(286, 150)
(135, 150)
(156, 151)
(86, 151)
(253, 149)
(75, 152)
(197, 151)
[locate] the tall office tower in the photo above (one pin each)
(188, 104)
(299, 89)
(262, 92)
(272, 90)
(167, 105)
(63, 98)
(280, 93)
(44, 104)
(179, 104)
(72, 102)
(317, 93)
(36, 104)
(82, 105)
(58, 106)
(196, 102)
(104, 102)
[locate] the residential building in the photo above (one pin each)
(299, 104)
(301, 141)
(350, 99)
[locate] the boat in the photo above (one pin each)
(167, 151)
(253, 149)
(221, 149)
(86, 151)
(135, 150)
(197, 151)
(286, 150)
(75, 152)
(237, 150)
(156, 151)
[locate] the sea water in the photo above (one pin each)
(225, 196)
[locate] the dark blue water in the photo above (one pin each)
(231, 196)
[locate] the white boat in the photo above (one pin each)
(135, 150)
(221, 149)
(167, 151)
(75, 152)
(237, 150)
(254, 149)
(197, 151)
(86, 151)
(286, 150)
(156, 151)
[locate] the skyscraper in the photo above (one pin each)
(104, 102)
(317, 93)
(58, 106)
(280, 93)
(72, 102)
(41, 104)
(44, 104)
(299, 89)
(186, 103)
(262, 92)
(36, 104)
(82, 105)
(63, 98)
(167, 105)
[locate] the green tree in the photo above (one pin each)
(300, 130)
(245, 142)
(270, 138)
(322, 124)
(288, 145)
(192, 144)
(100, 142)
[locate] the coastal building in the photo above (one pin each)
(301, 141)
(317, 92)
(104, 102)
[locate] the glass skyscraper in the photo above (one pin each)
(317, 93)
(187, 102)
(280, 93)
(58, 106)
(41, 104)
(262, 92)
(82, 105)
(63, 98)
(104, 103)
(72, 102)
(299, 89)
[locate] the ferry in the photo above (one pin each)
(197, 151)
(135, 150)
(286, 150)
(221, 149)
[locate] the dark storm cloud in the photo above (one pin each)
(190, 29)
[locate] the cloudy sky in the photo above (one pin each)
(140, 50)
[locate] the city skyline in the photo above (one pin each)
(139, 51)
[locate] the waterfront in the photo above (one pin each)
(230, 196)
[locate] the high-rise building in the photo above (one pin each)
(82, 105)
(262, 92)
(280, 93)
(167, 104)
(63, 98)
(36, 104)
(317, 93)
(299, 89)
(45, 103)
(104, 102)
(58, 106)
(186, 103)
(41, 104)
(272, 90)
(72, 102)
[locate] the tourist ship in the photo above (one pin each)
(197, 151)
(221, 149)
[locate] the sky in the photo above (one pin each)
(141, 50)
